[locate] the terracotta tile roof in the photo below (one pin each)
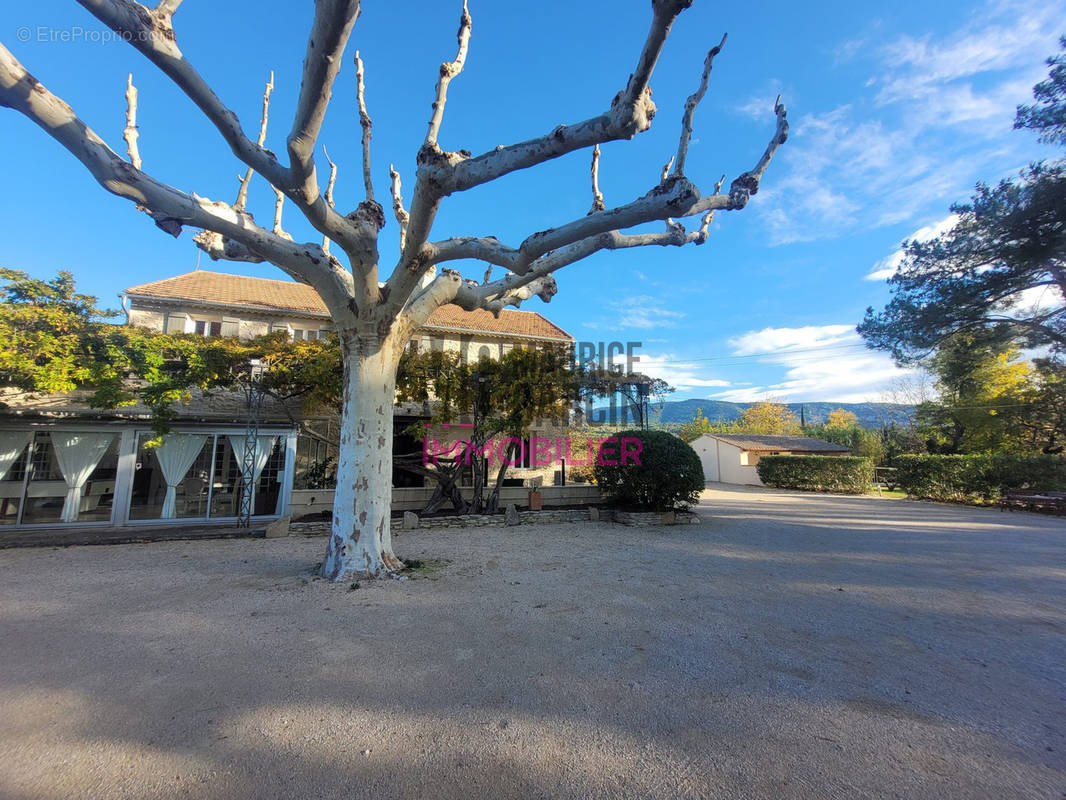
(510, 321)
(762, 444)
(216, 287)
(240, 290)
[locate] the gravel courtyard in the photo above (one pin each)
(789, 646)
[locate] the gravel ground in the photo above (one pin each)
(789, 646)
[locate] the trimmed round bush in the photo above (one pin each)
(817, 473)
(651, 470)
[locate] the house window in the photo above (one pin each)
(298, 334)
(206, 328)
(176, 323)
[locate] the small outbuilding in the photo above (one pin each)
(731, 457)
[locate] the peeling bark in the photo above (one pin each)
(360, 544)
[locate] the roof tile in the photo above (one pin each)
(241, 290)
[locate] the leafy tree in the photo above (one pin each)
(636, 389)
(1043, 418)
(1048, 114)
(503, 399)
(840, 418)
(862, 442)
(982, 385)
(55, 340)
(769, 418)
(1009, 239)
(696, 427)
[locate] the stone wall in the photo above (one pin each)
(547, 517)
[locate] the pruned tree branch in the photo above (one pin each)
(448, 70)
(170, 208)
(666, 170)
(330, 30)
(690, 107)
(279, 204)
(397, 205)
(442, 173)
(242, 192)
(151, 33)
(166, 8)
(329, 192)
(744, 186)
(130, 133)
(365, 124)
(597, 195)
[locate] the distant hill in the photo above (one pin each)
(871, 415)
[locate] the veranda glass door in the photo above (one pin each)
(198, 476)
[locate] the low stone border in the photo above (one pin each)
(411, 521)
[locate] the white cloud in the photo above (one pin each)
(887, 266)
(1000, 38)
(760, 106)
(771, 340)
(937, 116)
(1036, 299)
(640, 312)
(821, 363)
(682, 375)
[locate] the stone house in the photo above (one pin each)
(65, 464)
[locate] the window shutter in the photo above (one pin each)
(176, 323)
(230, 327)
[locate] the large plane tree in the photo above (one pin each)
(375, 311)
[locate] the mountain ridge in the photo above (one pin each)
(870, 415)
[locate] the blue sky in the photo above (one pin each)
(895, 114)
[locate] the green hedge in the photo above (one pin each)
(817, 473)
(669, 473)
(978, 477)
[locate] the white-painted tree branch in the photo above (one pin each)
(597, 195)
(441, 173)
(242, 192)
(151, 33)
(167, 8)
(448, 70)
(744, 186)
(169, 208)
(365, 125)
(397, 205)
(690, 107)
(130, 133)
(329, 192)
(279, 204)
(708, 218)
(330, 30)
(666, 170)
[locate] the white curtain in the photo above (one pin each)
(175, 455)
(264, 446)
(78, 454)
(12, 443)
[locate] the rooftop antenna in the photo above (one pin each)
(197, 259)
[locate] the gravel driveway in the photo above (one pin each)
(789, 646)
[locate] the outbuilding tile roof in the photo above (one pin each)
(761, 444)
(217, 288)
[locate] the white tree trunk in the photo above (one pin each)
(360, 543)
